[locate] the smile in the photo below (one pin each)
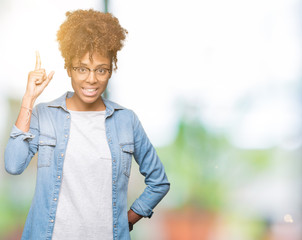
(89, 92)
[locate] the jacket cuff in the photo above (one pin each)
(16, 132)
(141, 208)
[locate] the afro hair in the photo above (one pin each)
(90, 31)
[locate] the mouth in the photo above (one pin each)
(89, 92)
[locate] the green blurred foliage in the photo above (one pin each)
(13, 212)
(204, 167)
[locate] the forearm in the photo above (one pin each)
(133, 217)
(148, 200)
(24, 117)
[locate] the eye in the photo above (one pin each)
(82, 70)
(101, 71)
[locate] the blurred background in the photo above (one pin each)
(217, 87)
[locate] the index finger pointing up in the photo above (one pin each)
(38, 61)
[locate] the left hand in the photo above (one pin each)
(133, 217)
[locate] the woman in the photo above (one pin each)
(84, 142)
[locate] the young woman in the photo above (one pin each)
(85, 142)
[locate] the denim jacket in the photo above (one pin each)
(48, 134)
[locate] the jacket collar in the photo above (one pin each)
(61, 102)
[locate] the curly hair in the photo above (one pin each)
(90, 31)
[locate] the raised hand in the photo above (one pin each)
(36, 83)
(37, 79)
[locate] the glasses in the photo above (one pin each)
(83, 72)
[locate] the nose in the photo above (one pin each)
(91, 78)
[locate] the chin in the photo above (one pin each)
(90, 100)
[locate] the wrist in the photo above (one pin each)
(28, 101)
(133, 217)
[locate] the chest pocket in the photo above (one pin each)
(127, 152)
(46, 150)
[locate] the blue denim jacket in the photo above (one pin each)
(48, 134)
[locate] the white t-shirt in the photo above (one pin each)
(85, 201)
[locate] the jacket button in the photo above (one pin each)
(59, 177)
(55, 199)
(68, 116)
(114, 204)
(51, 220)
(62, 154)
(114, 226)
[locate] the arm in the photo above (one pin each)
(21, 146)
(23, 142)
(36, 83)
(152, 169)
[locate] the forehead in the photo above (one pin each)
(95, 60)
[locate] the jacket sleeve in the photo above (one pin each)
(21, 146)
(152, 169)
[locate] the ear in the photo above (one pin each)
(69, 71)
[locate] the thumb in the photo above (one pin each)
(50, 75)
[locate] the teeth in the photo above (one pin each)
(89, 90)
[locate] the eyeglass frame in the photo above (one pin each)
(94, 70)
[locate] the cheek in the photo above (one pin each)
(74, 84)
(105, 83)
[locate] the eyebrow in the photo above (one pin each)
(100, 65)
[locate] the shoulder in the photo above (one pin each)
(117, 107)
(54, 104)
(120, 112)
(113, 105)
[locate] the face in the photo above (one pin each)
(89, 87)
